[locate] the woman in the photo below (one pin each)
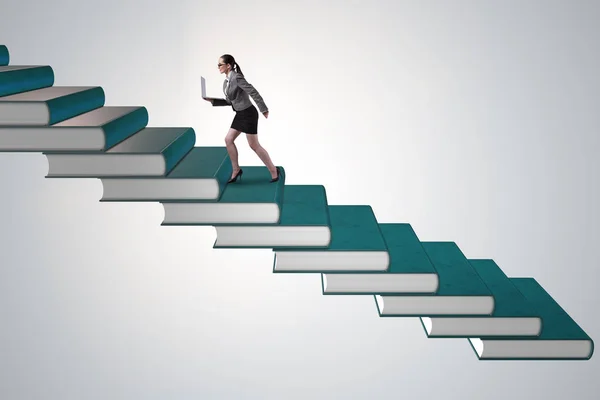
(236, 90)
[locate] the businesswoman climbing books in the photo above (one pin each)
(237, 91)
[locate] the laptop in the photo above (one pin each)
(203, 83)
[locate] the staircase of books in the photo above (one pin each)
(504, 318)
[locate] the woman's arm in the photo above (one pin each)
(248, 88)
(219, 102)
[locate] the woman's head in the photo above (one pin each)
(228, 63)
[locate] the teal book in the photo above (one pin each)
(21, 78)
(305, 205)
(202, 174)
(253, 200)
(152, 151)
(410, 270)
(4, 55)
(94, 131)
(561, 337)
(304, 221)
(461, 291)
(255, 186)
(513, 315)
(356, 245)
(47, 106)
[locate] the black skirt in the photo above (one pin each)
(246, 121)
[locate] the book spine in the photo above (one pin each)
(26, 79)
(4, 55)
(177, 149)
(279, 191)
(74, 104)
(121, 128)
(223, 174)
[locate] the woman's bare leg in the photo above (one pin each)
(232, 150)
(262, 154)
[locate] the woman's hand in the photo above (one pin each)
(266, 114)
(209, 100)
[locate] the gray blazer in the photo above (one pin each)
(237, 93)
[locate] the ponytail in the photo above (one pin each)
(237, 68)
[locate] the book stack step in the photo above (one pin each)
(356, 245)
(148, 152)
(460, 291)
(304, 222)
(97, 130)
(512, 315)
(561, 338)
(201, 174)
(43, 107)
(251, 200)
(410, 269)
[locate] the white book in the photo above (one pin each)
(220, 213)
(425, 305)
(330, 260)
(272, 236)
(379, 283)
(532, 349)
(481, 326)
(159, 189)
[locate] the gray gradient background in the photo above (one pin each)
(476, 122)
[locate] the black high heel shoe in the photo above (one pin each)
(276, 179)
(235, 178)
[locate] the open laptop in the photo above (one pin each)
(203, 83)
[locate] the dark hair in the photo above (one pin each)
(228, 59)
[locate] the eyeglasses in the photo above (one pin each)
(220, 65)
